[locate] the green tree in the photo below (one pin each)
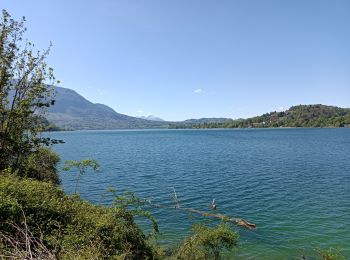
(82, 166)
(24, 95)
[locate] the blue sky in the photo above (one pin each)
(185, 59)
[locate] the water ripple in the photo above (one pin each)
(293, 183)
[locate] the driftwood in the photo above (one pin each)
(238, 221)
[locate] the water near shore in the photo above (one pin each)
(293, 183)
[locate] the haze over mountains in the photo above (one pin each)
(151, 118)
(74, 112)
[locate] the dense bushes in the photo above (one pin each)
(69, 227)
(66, 227)
(207, 243)
(42, 165)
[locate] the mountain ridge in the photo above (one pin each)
(74, 112)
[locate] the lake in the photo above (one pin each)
(293, 183)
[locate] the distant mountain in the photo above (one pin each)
(297, 116)
(72, 111)
(151, 118)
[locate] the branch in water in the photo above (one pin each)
(238, 221)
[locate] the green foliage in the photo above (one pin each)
(207, 243)
(24, 96)
(82, 166)
(42, 165)
(330, 254)
(70, 227)
(135, 205)
(297, 116)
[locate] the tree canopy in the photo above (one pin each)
(297, 116)
(25, 94)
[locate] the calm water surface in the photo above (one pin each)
(293, 183)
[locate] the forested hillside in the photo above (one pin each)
(296, 116)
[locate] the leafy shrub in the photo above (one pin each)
(42, 165)
(330, 254)
(207, 243)
(81, 167)
(70, 227)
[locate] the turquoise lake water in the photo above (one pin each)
(293, 183)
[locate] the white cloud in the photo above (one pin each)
(280, 109)
(139, 111)
(199, 90)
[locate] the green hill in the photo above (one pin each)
(296, 116)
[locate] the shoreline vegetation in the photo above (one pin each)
(38, 220)
(306, 116)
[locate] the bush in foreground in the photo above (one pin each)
(207, 243)
(42, 166)
(69, 227)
